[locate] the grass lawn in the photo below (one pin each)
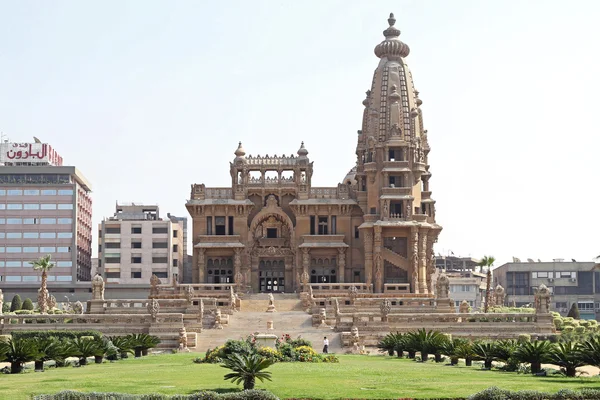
(372, 377)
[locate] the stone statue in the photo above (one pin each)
(183, 340)
(499, 295)
(385, 307)
(442, 287)
(336, 307)
(464, 307)
(353, 293)
(189, 294)
(153, 309)
(51, 303)
(408, 211)
(239, 279)
(218, 324)
(542, 300)
(98, 287)
(154, 282)
(78, 308)
(385, 208)
(271, 307)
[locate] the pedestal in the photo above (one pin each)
(266, 340)
(270, 325)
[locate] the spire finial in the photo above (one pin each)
(392, 20)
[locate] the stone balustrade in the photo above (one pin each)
(396, 288)
(329, 289)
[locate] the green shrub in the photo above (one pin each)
(522, 338)
(57, 334)
(580, 329)
(300, 342)
(237, 347)
(495, 393)
(23, 312)
(87, 337)
(205, 395)
(567, 329)
(27, 304)
(5, 308)
(16, 303)
(574, 312)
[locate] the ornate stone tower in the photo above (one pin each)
(392, 175)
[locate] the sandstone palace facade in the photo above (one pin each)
(272, 230)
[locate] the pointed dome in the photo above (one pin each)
(302, 152)
(391, 47)
(240, 153)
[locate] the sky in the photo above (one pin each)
(147, 97)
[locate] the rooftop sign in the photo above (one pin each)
(37, 153)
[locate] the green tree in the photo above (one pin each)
(534, 353)
(44, 348)
(27, 304)
(43, 264)
(17, 352)
(16, 303)
(574, 312)
(5, 308)
(487, 261)
(568, 357)
(247, 369)
(427, 342)
(83, 348)
(485, 351)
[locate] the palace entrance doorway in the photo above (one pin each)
(271, 276)
(323, 275)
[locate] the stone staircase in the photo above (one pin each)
(289, 319)
(394, 258)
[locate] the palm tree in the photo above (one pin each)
(590, 351)
(427, 342)
(44, 265)
(487, 261)
(141, 342)
(568, 357)
(485, 351)
(17, 352)
(123, 345)
(84, 348)
(44, 348)
(504, 349)
(62, 350)
(451, 349)
(387, 344)
(534, 353)
(465, 350)
(247, 368)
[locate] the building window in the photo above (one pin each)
(356, 232)
(65, 192)
(160, 245)
(113, 275)
(48, 221)
(14, 221)
(65, 206)
(48, 192)
(136, 245)
(175, 247)
(136, 274)
(30, 249)
(220, 225)
(31, 192)
(68, 263)
(312, 224)
(13, 249)
(136, 230)
(209, 225)
(160, 274)
(30, 235)
(13, 235)
(160, 229)
(47, 249)
(137, 259)
(14, 206)
(113, 230)
(65, 235)
(14, 192)
(230, 225)
(48, 235)
(175, 262)
(112, 260)
(48, 207)
(113, 245)
(323, 225)
(31, 206)
(271, 233)
(175, 233)
(63, 249)
(160, 260)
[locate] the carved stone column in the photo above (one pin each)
(377, 261)
(414, 259)
(305, 260)
(430, 260)
(423, 261)
(201, 265)
(341, 264)
(237, 264)
(368, 238)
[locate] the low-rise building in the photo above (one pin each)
(466, 283)
(569, 282)
(136, 243)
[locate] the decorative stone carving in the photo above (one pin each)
(78, 308)
(98, 287)
(385, 307)
(218, 324)
(154, 282)
(189, 294)
(305, 279)
(239, 280)
(542, 300)
(464, 307)
(499, 295)
(322, 316)
(200, 311)
(153, 309)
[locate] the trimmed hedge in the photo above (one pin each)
(495, 393)
(208, 395)
(56, 334)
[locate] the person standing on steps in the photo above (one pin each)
(325, 345)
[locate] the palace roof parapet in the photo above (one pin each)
(272, 160)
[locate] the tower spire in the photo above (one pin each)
(392, 46)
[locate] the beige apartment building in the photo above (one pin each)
(136, 243)
(271, 227)
(45, 209)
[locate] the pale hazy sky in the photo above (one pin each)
(147, 97)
